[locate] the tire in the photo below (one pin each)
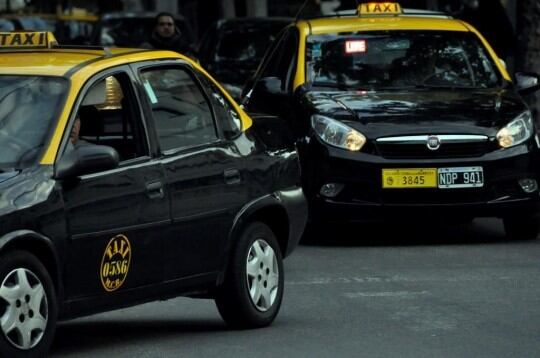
(27, 305)
(252, 298)
(521, 227)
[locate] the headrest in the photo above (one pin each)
(96, 95)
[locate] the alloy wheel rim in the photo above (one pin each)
(23, 309)
(262, 273)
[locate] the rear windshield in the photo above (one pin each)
(29, 107)
(399, 59)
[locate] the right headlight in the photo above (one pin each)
(337, 134)
(517, 131)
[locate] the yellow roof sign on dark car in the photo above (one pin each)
(379, 8)
(26, 39)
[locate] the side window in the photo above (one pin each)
(227, 117)
(283, 59)
(182, 115)
(108, 115)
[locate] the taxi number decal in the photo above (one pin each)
(30, 39)
(386, 8)
(115, 263)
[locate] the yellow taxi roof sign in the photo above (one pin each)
(379, 8)
(26, 40)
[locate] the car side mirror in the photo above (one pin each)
(86, 160)
(527, 82)
(269, 85)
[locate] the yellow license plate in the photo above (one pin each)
(409, 178)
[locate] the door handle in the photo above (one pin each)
(154, 190)
(232, 176)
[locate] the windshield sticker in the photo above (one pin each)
(150, 92)
(316, 51)
(115, 263)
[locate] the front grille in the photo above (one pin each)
(447, 146)
(420, 151)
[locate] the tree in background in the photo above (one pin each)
(528, 25)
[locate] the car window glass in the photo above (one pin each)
(181, 112)
(227, 117)
(399, 59)
(109, 116)
(29, 107)
(282, 62)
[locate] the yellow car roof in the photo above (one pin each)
(59, 62)
(344, 24)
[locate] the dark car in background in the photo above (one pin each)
(131, 29)
(232, 48)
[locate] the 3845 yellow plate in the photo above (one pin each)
(409, 178)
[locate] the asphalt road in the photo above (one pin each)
(378, 291)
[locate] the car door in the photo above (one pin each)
(203, 171)
(115, 218)
(271, 91)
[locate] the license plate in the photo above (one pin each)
(461, 177)
(443, 178)
(409, 178)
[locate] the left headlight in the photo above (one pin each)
(337, 134)
(517, 131)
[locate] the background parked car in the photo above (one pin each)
(131, 29)
(232, 48)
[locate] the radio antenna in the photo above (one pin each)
(302, 9)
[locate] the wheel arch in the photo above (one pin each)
(38, 245)
(269, 211)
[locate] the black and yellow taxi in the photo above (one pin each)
(128, 176)
(402, 113)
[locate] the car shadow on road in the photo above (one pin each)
(85, 335)
(409, 233)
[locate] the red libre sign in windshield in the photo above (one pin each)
(355, 46)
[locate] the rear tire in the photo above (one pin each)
(28, 306)
(521, 227)
(251, 294)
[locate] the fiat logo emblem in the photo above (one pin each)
(433, 142)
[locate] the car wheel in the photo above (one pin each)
(525, 228)
(27, 306)
(252, 291)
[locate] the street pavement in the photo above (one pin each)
(390, 290)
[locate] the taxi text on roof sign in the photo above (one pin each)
(379, 8)
(11, 40)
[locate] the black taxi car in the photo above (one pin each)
(404, 114)
(127, 176)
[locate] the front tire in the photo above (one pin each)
(28, 306)
(521, 227)
(251, 294)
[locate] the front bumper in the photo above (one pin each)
(363, 198)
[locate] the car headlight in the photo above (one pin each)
(517, 131)
(337, 134)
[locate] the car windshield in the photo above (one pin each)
(29, 106)
(399, 59)
(246, 43)
(132, 31)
